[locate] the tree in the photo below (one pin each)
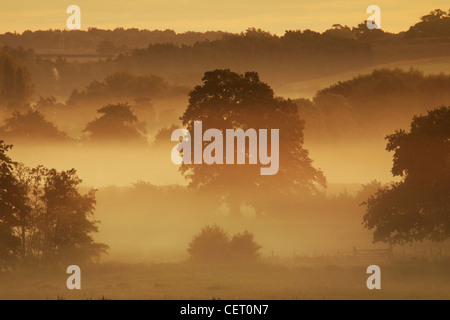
(116, 123)
(31, 125)
(15, 82)
(363, 33)
(373, 102)
(211, 244)
(228, 100)
(9, 241)
(43, 216)
(55, 222)
(434, 24)
(340, 31)
(124, 86)
(418, 207)
(65, 224)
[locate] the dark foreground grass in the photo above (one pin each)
(265, 280)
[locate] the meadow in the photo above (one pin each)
(300, 278)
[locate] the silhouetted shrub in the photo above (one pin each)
(244, 247)
(213, 244)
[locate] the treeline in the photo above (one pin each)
(116, 124)
(44, 219)
(294, 56)
(298, 54)
(90, 41)
(32, 74)
(367, 106)
(119, 40)
(123, 86)
(434, 24)
(373, 104)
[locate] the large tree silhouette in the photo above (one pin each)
(418, 207)
(228, 100)
(66, 224)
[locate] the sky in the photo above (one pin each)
(207, 15)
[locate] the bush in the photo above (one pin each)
(244, 247)
(213, 244)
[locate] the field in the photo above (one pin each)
(320, 278)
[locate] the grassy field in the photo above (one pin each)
(291, 280)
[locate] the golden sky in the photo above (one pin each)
(203, 15)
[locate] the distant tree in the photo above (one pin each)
(340, 31)
(82, 41)
(361, 32)
(373, 102)
(213, 244)
(124, 86)
(229, 100)
(116, 123)
(418, 207)
(336, 114)
(31, 126)
(434, 24)
(15, 82)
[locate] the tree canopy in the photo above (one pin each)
(434, 24)
(9, 200)
(122, 86)
(418, 207)
(116, 123)
(228, 100)
(31, 126)
(44, 218)
(372, 104)
(15, 82)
